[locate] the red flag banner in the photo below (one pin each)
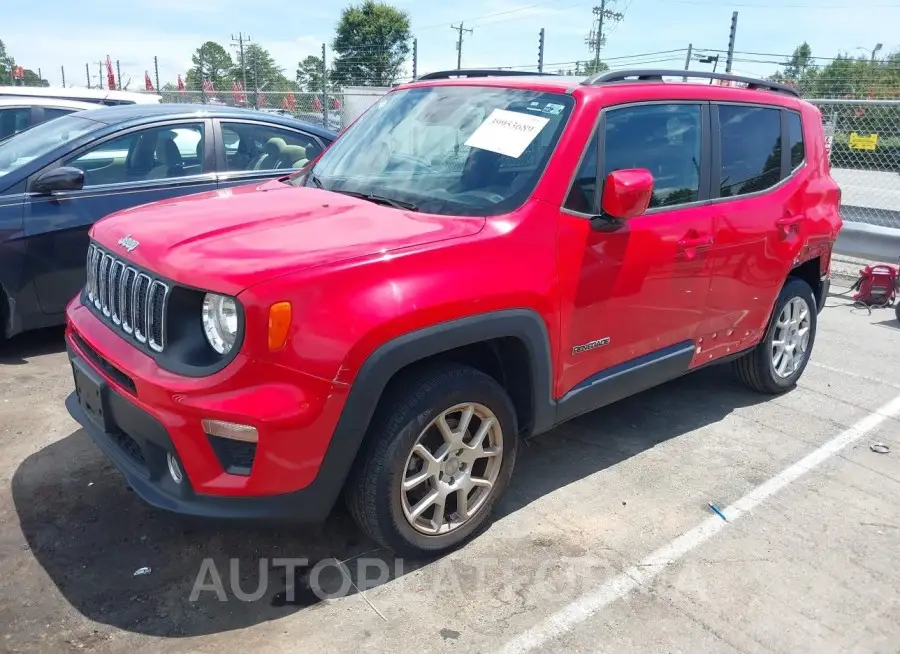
(335, 104)
(180, 83)
(237, 92)
(110, 75)
(289, 102)
(148, 85)
(316, 103)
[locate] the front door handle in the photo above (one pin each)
(694, 242)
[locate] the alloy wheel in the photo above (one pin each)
(790, 341)
(452, 468)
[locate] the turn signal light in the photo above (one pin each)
(232, 430)
(279, 324)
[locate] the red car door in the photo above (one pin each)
(635, 295)
(758, 228)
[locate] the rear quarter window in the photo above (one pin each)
(795, 139)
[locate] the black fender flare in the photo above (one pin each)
(391, 357)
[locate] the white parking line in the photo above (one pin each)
(856, 375)
(618, 587)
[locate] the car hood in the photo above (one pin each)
(231, 239)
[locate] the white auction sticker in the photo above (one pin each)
(507, 132)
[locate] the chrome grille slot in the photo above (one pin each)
(140, 313)
(156, 313)
(126, 294)
(105, 264)
(127, 298)
(91, 274)
(115, 295)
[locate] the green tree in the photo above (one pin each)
(211, 62)
(6, 64)
(371, 44)
(262, 71)
(309, 73)
(590, 68)
(31, 78)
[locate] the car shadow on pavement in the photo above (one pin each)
(91, 534)
(17, 350)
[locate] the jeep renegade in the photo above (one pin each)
(480, 257)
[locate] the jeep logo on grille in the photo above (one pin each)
(128, 243)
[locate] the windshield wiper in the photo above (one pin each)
(380, 199)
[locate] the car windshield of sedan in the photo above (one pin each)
(18, 150)
(454, 150)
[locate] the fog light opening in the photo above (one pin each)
(233, 430)
(174, 469)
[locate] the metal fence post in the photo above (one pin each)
(156, 72)
(324, 89)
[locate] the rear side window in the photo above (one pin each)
(751, 149)
(795, 139)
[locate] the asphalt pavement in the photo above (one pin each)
(606, 541)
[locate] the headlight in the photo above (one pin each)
(220, 322)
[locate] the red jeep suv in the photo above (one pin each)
(481, 256)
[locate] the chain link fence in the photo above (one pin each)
(334, 110)
(864, 144)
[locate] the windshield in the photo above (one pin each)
(455, 150)
(18, 150)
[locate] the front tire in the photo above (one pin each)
(439, 455)
(775, 365)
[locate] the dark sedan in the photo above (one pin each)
(58, 178)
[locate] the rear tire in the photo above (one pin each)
(775, 365)
(438, 456)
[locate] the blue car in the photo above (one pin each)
(58, 178)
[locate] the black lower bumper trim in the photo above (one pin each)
(142, 460)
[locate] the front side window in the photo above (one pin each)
(454, 150)
(583, 194)
(156, 153)
(751, 149)
(263, 147)
(42, 139)
(664, 139)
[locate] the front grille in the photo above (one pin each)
(128, 299)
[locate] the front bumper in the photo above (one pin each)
(139, 414)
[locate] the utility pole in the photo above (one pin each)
(459, 43)
(239, 42)
(62, 69)
(415, 59)
(541, 52)
(596, 40)
(731, 36)
(687, 60)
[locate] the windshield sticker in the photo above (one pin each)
(507, 132)
(554, 109)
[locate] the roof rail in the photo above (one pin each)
(477, 72)
(652, 75)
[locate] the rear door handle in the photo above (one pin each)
(788, 224)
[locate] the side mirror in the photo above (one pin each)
(627, 193)
(65, 178)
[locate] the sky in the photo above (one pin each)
(505, 32)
